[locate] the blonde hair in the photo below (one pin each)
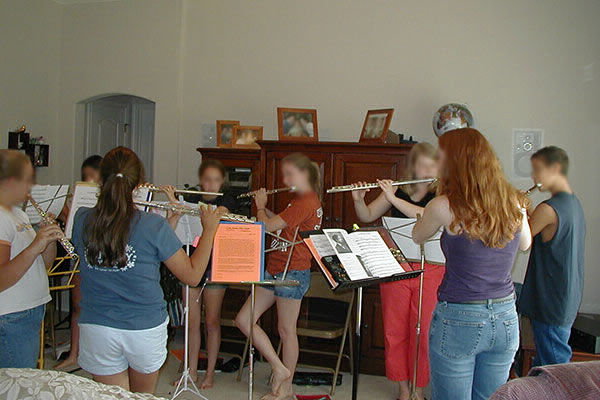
(420, 149)
(12, 163)
(303, 163)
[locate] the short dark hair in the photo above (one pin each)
(551, 155)
(212, 164)
(91, 162)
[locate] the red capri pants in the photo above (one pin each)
(400, 303)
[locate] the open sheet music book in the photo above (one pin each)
(51, 199)
(401, 231)
(348, 257)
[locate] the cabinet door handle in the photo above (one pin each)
(337, 219)
(326, 219)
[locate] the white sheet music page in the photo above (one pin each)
(84, 195)
(347, 252)
(401, 231)
(375, 254)
(188, 227)
(51, 198)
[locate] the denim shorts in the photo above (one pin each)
(20, 338)
(290, 292)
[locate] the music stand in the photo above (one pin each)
(396, 230)
(186, 384)
(253, 284)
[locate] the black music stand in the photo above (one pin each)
(359, 285)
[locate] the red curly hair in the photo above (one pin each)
(485, 205)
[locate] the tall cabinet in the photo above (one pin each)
(341, 163)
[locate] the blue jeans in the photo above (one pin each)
(551, 343)
(471, 348)
(20, 338)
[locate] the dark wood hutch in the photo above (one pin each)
(341, 163)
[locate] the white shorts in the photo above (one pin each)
(108, 351)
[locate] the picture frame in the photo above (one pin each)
(376, 126)
(246, 136)
(225, 130)
(297, 124)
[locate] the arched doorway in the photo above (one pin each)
(120, 120)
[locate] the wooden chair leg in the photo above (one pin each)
(40, 363)
(244, 354)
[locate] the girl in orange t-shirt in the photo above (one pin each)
(303, 212)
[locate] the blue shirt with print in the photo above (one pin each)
(130, 297)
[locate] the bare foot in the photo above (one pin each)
(269, 396)
(279, 377)
(286, 391)
(208, 381)
(67, 364)
(194, 378)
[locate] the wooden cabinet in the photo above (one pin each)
(341, 163)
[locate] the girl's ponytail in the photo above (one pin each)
(107, 233)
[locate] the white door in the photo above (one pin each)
(108, 125)
(121, 121)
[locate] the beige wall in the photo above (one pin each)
(531, 64)
(29, 70)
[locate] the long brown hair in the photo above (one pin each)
(420, 149)
(485, 205)
(107, 229)
(303, 163)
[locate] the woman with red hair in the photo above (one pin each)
(474, 332)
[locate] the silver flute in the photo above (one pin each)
(349, 188)
(529, 191)
(272, 191)
(47, 219)
(155, 188)
(193, 211)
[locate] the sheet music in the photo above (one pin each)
(401, 231)
(345, 248)
(51, 198)
(142, 194)
(84, 195)
(322, 245)
(189, 226)
(375, 254)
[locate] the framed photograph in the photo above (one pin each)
(297, 124)
(246, 136)
(225, 132)
(376, 126)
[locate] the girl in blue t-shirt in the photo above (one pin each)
(123, 321)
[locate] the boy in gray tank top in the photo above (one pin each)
(553, 285)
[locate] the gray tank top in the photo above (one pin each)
(553, 285)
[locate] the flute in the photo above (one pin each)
(193, 211)
(272, 191)
(529, 191)
(155, 188)
(47, 219)
(349, 188)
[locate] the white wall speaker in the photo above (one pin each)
(525, 143)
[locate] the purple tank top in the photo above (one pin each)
(475, 271)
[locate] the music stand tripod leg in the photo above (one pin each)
(413, 386)
(182, 385)
(251, 344)
(358, 343)
(287, 264)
